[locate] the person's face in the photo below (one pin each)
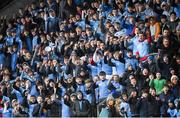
(158, 1)
(115, 41)
(136, 31)
(33, 6)
(96, 4)
(165, 59)
(88, 84)
(130, 9)
(42, 15)
(79, 80)
(140, 8)
(89, 32)
(76, 46)
(130, 68)
(73, 98)
(18, 84)
(145, 95)
(42, 4)
(130, 54)
(28, 55)
(166, 43)
(173, 17)
(8, 33)
(170, 104)
(178, 60)
(114, 12)
(54, 62)
(158, 75)
(152, 21)
(6, 78)
(141, 37)
(69, 80)
(14, 49)
(79, 96)
(33, 33)
(49, 1)
(117, 26)
(78, 18)
(27, 19)
(145, 72)
(134, 93)
(48, 101)
(46, 81)
(40, 87)
(133, 81)
(175, 81)
(116, 78)
(87, 45)
(102, 46)
(102, 77)
(163, 20)
(20, 11)
(78, 31)
(14, 103)
(78, 62)
(66, 61)
(108, 24)
(95, 16)
(166, 89)
(120, 5)
(131, 20)
(66, 97)
(52, 14)
(116, 55)
(153, 92)
(28, 83)
(53, 98)
(39, 99)
(33, 99)
(172, 72)
(125, 97)
(111, 102)
(111, 29)
(82, 73)
(13, 34)
(1, 36)
(51, 84)
(8, 85)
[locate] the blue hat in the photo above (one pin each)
(150, 57)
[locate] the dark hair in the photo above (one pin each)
(102, 73)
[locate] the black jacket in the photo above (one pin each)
(132, 103)
(164, 68)
(154, 107)
(37, 111)
(143, 107)
(84, 112)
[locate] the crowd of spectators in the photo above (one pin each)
(91, 58)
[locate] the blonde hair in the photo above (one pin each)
(117, 104)
(69, 2)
